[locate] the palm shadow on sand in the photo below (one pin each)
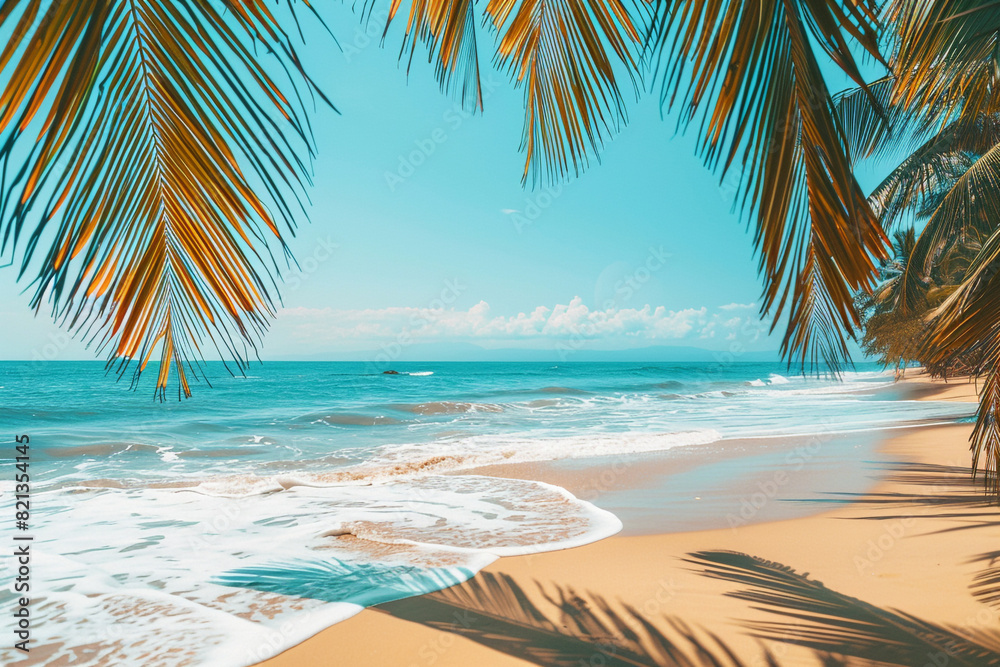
(986, 585)
(824, 620)
(581, 629)
(928, 490)
(578, 630)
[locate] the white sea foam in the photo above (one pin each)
(167, 455)
(180, 577)
(484, 450)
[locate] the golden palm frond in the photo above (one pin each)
(164, 155)
(448, 31)
(967, 321)
(564, 53)
(750, 71)
(946, 56)
(555, 50)
(947, 64)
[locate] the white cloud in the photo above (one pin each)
(571, 320)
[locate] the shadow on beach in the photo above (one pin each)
(578, 628)
(574, 629)
(929, 491)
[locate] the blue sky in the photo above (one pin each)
(420, 226)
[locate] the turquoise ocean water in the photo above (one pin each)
(222, 529)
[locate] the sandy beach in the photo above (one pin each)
(901, 574)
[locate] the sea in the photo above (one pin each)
(222, 529)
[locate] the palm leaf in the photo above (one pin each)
(967, 321)
(947, 63)
(566, 54)
(871, 121)
(563, 53)
(164, 157)
(950, 179)
(448, 30)
(750, 71)
(947, 56)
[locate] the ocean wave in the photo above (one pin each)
(446, 407)
(348, 419)
(242, 578)
(99, 449)
(485, 450)
(543, 403)
(772, 379)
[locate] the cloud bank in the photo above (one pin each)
(647, 325)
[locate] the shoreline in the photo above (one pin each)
(914, 542)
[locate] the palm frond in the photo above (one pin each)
(750, 71)
(563, 53)
(447, 29)
(946, 58)
(164, 157)
(951, 179)
(967, 321)
(870, 120)
(567, 55)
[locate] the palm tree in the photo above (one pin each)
(892, 334)
(942, 94)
